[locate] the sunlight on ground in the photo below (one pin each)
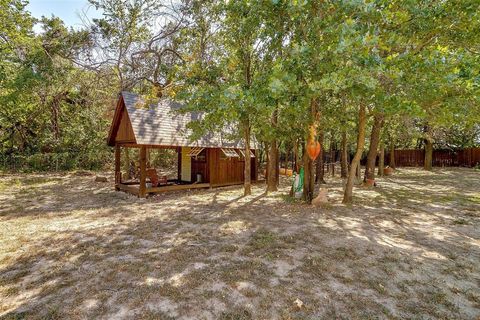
(73, 248)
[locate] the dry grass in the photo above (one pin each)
(72, 248)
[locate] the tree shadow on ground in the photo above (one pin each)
(246, 257)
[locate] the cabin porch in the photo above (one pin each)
(196, 168)
(175, 185)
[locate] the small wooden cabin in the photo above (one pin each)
(213, 160)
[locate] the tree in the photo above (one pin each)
(224, 89)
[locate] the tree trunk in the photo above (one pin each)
(358, 172)
(309, 180)
(428, 148)
(320, 165)
(332, 155)
(271, 167)
(277, 166)
(55, 115)
(349, 164)
(296, 158)
(381, 159)
(391, 162)
(247, 173)
(267, 160)
(373, 148)
(344, 161)
(272, 181)
(362, 121)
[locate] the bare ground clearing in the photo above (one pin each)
(72, 248)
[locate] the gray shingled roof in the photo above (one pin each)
(162, 124)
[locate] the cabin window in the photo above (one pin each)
(195, 151)
(202, 156)
(242, 154)
(228, 154)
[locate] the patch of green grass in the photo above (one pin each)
(229, 248)
(460, 221)
(405, 285)
(167, 290)
(34, 181)
(53, 313)
(15, 316)
(447, 198)
(343, 253)
(317, 266)
(375, 285)
(264, 243)
(289, 199)
(155, 315)
(438, 297)
(475, 198)
(11, 291)
(473, 296)
(262, 239)
(246, 270)
(4, 185)
(236, 314)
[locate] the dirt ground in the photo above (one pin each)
(71, 248)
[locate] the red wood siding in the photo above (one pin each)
(229, 170)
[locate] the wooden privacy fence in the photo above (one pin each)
(441, 158)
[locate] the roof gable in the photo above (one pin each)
(163, 125)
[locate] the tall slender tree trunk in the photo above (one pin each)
(320, 167)
(267, 160)
(332, 155)
(308, 182)
(391, 162)
(362, 122)
(309, 178)
(296, 158)
(349, 164)
(277, 166)
(358, 171)
(247, 170)
(373, 148)
(381, 159)
(428, 148)
(344, 155)
(271, 170)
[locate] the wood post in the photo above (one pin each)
(127, 163)
(381, 159)
(179, 163)
(143, 176)
(118, 174)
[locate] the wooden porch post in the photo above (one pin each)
(143, 176)
(179, 163)
(118, 174)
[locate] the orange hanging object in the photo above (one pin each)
(313, 149)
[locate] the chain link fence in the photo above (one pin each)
(56, 161)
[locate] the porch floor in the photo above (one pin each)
(134, 187)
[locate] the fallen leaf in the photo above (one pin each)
(298, 303)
